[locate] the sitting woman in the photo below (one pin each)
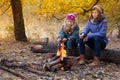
(69, 33)
(94, 35)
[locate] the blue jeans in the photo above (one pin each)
(70, 44)
(96, 43)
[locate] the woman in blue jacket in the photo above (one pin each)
(94, 35)
(69, 33)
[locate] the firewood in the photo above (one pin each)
(52, 63)
(13, 72)
(56, 67)
(34, 71)
(3, 60)
(11, 63)
(50, 55)
(36, 48)
(53, 58)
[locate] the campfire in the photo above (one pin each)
(60, 60)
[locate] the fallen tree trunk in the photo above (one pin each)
(46, 47)
(106, 55)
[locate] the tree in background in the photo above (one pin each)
(51, 9)
(58, 9)
(112, 9)
(19, 29)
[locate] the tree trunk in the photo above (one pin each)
(106, 55)
(19, 30)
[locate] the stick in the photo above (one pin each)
(32, 70)
(12, 72)
(53, 58)
(52, 63)
(56, 67)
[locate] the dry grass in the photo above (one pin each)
(35, 29)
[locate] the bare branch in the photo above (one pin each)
(85, 11)
(57, 17)
(6, 9)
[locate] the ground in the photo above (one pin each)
(21, 52)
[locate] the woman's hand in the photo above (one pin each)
(85, 39)
(82, 36)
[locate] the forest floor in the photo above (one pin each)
(21, 51)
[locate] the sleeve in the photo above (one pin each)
(101, 32)
(61, 34)
(86, 29)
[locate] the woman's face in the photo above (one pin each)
(95, 14)
(69, 22)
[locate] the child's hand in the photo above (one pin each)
(85, 39)
(64, 39)
(82, 36)
(59, 39)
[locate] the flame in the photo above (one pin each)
(62, 68)
(62, 52)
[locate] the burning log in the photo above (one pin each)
(60, 60)
(56, 61)
(71, 60)
(53, 58)
(56, 67)
(57, 64)
(48, 65)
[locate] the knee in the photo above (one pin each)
(69, 42)
(97, 38)
(79, 41)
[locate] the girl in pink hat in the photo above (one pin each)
(69, 33)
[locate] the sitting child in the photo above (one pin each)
(69, 33)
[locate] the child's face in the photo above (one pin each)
(95, 14)
(69, 22)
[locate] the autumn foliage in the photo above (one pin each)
(49, 10)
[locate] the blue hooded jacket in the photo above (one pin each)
(73, 36)
(100, 29)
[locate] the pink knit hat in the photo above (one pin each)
(71, 16)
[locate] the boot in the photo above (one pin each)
(96, 61)
(82, 59)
